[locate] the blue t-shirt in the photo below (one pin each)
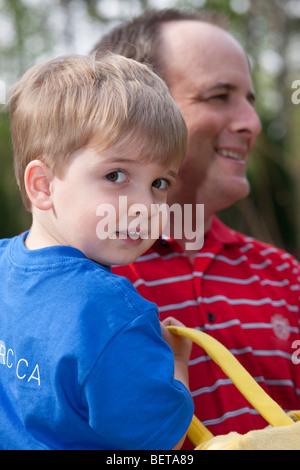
(82, 361)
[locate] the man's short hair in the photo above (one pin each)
(140, 39)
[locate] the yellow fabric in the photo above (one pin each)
(198, 433)
(295, 415)
(270, 438)
(284, 433)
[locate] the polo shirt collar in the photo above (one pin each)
(218, 235)
(223, 234)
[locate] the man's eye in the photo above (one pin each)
(221, 97)
(116, 177)
(161, 184)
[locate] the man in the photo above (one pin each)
(239, 290)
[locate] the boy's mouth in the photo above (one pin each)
(132, 234)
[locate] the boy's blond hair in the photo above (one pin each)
(74, 101)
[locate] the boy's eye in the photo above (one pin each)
(161, 183)
(116, 177)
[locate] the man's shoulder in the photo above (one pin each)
(262, 255)
(264, 248)
(222, 231)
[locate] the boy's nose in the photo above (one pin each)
(139, 209)
(142, 204)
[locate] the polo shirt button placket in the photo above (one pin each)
(211, 317)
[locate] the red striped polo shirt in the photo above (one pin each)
(245, 294)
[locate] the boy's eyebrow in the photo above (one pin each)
(173, 173)
(120, 160)
(117, 160)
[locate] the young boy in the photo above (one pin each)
(83, 362)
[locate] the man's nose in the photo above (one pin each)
(246, 119)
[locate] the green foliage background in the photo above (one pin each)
(34, 30)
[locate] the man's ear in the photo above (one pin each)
(37, 180)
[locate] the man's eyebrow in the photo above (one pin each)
(223, 85)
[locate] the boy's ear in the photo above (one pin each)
(37, 180)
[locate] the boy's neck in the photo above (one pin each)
(38, 237)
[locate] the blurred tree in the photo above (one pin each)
(267, 31)
(13, 218)
(24, 35)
